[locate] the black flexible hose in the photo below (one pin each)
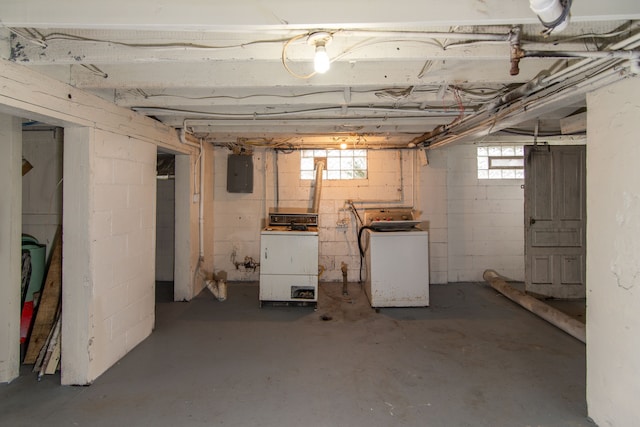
(364, 227)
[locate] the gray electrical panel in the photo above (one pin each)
(239, 173)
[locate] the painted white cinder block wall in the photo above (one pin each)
(485, 220)
(432, 199)
(473, 225)
(239, 217)
(108, 250)
(613, 254)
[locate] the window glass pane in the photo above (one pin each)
(306, 163)
(500, 162)
(333, 163)
(506, 163)
(508, 151)
(495, 174)
(340, 164)
(360, 174)
(483, 163)
(359, 163)
(306, 175)
(333, 174)
(346, 164)
(508, 174)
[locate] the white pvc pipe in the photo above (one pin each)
(218, 289)
(200, 199)
(549, 11)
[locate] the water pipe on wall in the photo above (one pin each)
(345, 289)
(217, 287)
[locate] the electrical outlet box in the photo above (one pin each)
(239, 173)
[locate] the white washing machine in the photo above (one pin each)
(397, 268)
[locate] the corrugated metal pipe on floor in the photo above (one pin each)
(557, 318)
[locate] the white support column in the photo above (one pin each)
(108, 250)
(77, 258)
(613, 263)
(186, 229)
(10, 252)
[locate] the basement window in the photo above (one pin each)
(501, 162)
(340, 164)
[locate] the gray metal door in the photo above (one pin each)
(555, 220)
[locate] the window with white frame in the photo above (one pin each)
(501, 162)
(340, 164)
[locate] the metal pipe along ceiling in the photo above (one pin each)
(576, 80)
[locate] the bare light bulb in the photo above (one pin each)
(343, 146)
(321, 60)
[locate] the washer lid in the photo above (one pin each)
(396, 225)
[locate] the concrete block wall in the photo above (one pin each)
(473, 224)
(384, 187)
(109, 250)
(433, 203)
(613, 265)
(124, 242)
(240, 217)
(485, 220)
(42, 185)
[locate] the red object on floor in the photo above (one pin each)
(25, 320)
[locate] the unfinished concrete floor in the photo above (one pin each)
(473, 358)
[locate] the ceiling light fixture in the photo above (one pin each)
(321, 60)
(554, 14)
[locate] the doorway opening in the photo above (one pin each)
(41, 236)
(165, 227)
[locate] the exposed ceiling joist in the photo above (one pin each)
(238, 70)
(244, 15)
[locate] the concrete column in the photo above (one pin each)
(186, 237)
(613, 254)
(108, 250)
(10, 244)
(77, 258)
